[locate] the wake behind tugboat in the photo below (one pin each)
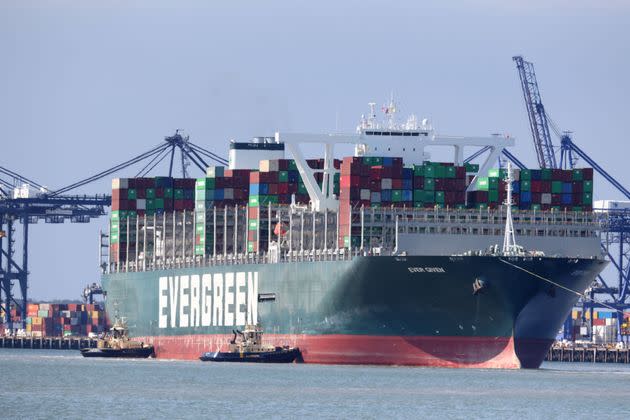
(246, 346)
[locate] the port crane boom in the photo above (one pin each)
(536, 113)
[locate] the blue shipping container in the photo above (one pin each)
(567, 198)
(407, 195)
(567, 188)
(526, 197)
(386, 195)
(516, 187)
(387, 161)
(254, 189)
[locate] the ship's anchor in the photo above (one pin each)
(478, 286)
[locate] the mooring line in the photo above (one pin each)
(582, 295)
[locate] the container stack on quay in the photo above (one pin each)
(275, 183)
(138, 197)
(63, 319)
(604, 325)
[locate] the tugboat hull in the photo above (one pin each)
(278, 356)
(139, 353)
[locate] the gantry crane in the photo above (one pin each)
(614, 224)
(26, 201)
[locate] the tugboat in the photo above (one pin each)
(117, 343)
(246, 346)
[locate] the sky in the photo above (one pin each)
(85, 85)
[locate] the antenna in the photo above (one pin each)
(509, 242)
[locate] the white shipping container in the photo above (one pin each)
(268, 166)
(365, 194)
(74, 321)
(228, 194)
(545, 198)
(44, 306)
(141, 204)
(120, 183)
(516, 175)
(214, 171)
(386, 184)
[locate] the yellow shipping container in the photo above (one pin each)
(94, 314)
(595, 315)
(28, 327)
(37, 320)
(576, 314)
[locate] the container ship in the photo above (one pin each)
(382, 257)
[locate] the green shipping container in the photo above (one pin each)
(429, 197)
(254, 200)
(429, 184)
(556, 187)
(418, 195)
(450, 171)
(418, 204)
(302, 188)
(159, 203)
(250, 246)
(199, 250)
(439, 197)
(535, 206)
(252, 224)
(587, 198)
(150, 203)
(178, 194)
(168, 193)
(587, 186)
(283, 176)
(150, 193)
(526, 174)
(545, 174)
(472, 168)
(132, 194)
(418, 170)
(493, 196)
(526, 185)
(577, 175)
(396, 196)
(200, 228)
(494, 172)
(483, 184)
(429, 171)
(440, 171)
(493, 183)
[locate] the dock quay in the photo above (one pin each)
(47, 343)
(593, 354)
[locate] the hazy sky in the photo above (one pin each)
(87, 84)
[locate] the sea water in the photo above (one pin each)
(62, 384)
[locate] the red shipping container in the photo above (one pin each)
(576, 199)
(460, 172)
(577, 187)
(178, 205)
(119, 205)
(557, 174)
(418, 182)
(283, 189)
(141, 193)
(439, 184)
(159, 192)
(535, 186)
(545, 207)
(119, 194)
(536, 198)
(545, 187)
(567, 175)
(131, 182)
(364, 182)
(556, 199)
(254, 178)
(189, 204)
(587, 174)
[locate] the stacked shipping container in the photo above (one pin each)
(276, 182)
(133, 197)
(62, 319)
(221, 187)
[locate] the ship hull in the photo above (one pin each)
(414, 310)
